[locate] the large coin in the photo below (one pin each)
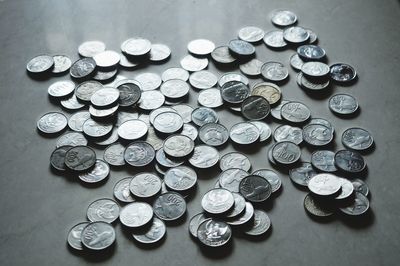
(317, 135)
(324, 161)
(235, 160)
(114, 154)
(283, 18)
(40, 64)
(74, 236)
(251, 34)
(91, 48)
(180, 178)
(195, 221)
(230, 178)
(343, 104)
(286, 152)
(201, 47)
(349, 161)
(274, 71)
(244, 133)
(295, 112)
(99, 172)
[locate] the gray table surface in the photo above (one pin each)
(38, 207)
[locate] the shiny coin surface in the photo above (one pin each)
(274, 39)
(276, 111)
(91, 48)
(271, 176)
(100, 171)
(57, 158)
(210, 98)
(288, 133)
(245, 217)
(341, 72)
(52, 123)
(103, 210)
(317, 207)
(136, 214)
(324, 161)
(347, 189)
(203, 79)
(360, 186)
(128, 62)
(80, 158)
(195, 221)
(169, 206)
(152, 235)
(74, 236)
(221, 55)
(190, 131)
(296, 62)
(317, 135)
(107, 59)
(302, 174)
(213, 134)
(201, 47)
(136, 46)
(283, 18)
(244, 133)
(324, 184)
(102, 113)
(204, 157)
(192, 64)
(148, 81)
(321, 121)
(214, 233)
(274, 71)
(349, 161)
(235, 160)
(313, 36)
(178, 146)
(180, 178)
(139, 153)
(232, 76)
(255, 188)
(164, 161)
(61, 89)
(261, 224)
(114, 154)
(230, 178)
(241, 48)
(264, 129)
(85, 90)
(153, 139)
(98, 236)
(315, 69)
(251, 68)
(40, 64)
(145, 185)
(234, 92)
(105, 98)
(271, 92)
(168, 122)
(62, 63)
(295, 112)
(311, 52)
(95, 129)
(72, 103)
(251, 34)
(217, 201)
(343, 104)
(357, 139)
(204, 115)
(286, 152)
(296, 35)
(158, 111)
(122, 191)
(359, 206)
(175, 89)
(255, 108)
(129, 93)
(175, 73)
(151, 100)
(159, 52)
(83, 68)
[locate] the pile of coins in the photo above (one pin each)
(144, 123)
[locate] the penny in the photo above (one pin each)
(175, 89)
(311, 52)
(360, 186)
(136, 214)
(178, 146)
(85, 90)
(271, 92)
(95, 129)
(100, 171)
(241, 48)
(103, 210)
(195, 221)
(200, 47)
(232, 77)
(296, 35)
(324, 161)
(74, 236)
(72, 103)
(302, 174)
(190, 131)
(168, 122)
(274, 71)
(234, 92)
(283, 18)
(91, 48)
(40, 64)
(255, 188)
(192, 64)
(317, 207)
(151, 100)
(347, 189)
(235, 160)
(230, 178)
(317, 135)
(136, 46)
(203, 79)
(62, 63)
(342, 73)
(204, 157)
(210, 98)
(288, 133)
(214, 233)
(252, 67)
(51, 123)
(286, 152)
(180, 178)
(80, 158)
(255, 108)
(122, 192)
(57, 158)
(107, 59)
(343, 104)
(271, 176)
(264, 129)
(175, 73)
(213, 134)
(221, 55)
(217, 201)
(114, 154)
(204, 115)
(357, 139)
(169, 206)
(295, 112)
(152, 235)
(98, 236)
(349, 161)
(359, 206)
(129, 93)
(251, 34)
(261, 224)
(274, 39)
(148, 81)
(139, 153)
(83, 68)
(105, 98)
(145, 185)
(324, 184)
(159, 52)
(245, 218)
(296, 62)
(315, 69)
(72, 139)
(244, 133)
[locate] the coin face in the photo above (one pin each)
(200, 47)
(343, 104)
(40, 64)
(71, 103)
(271, 92)
(324, 161)
(62, 63)
(230, 178)
(192, 64)
(317, 135)
(122, 191)
(245, 217)
(357, 139)
(260, 225)
(165, 161)
(274, 39)
(136, 46)
(80, 158)
(213, 134)
(264, 129)
(238, 208)
(203, 79)
(169, 206)
(175, 73)
(159, 52)
(255, 188)
(195, 221)
(128, 62)
(276, 111)
(234, 92)
(324, 184)
(85, 90)
(74, 236)
(295, 112)
(296, 35)
(288, 133)
(103, 113)
(347, 189)
(360, 186)
(178, 146)
(296, 62)
(341, 72)
(311, 52)
(129, 93)
(321, 121)
(214, 233)
(286, 152)
(139, 153)
(255, 108)
(317, 207)
(251, 34)
(136, 214)
(114, 154)
(312, 85)
(98, 236)
(57, 158)
(349, 161)
(204, 157)
(180, 178)
(91, 48)
(104, 98)
(83, 68)
(168, 122)
(151, 100)
(359, 206)
(175, 89)
(221, 55)
(315, 69)
(152, 235)
(274, 71)
(235, 160)
(271, 176)
(52, 123)
(251, 68)
(190, 131)
(107, 59)
(148, 81)
(95, 129)
(283, 18)
(241, 48)
(210, 98)
(244, 133)
(145, 185)
(105, 210)
(302, 174)
(100, 171)
(204, 115)
(217, 201)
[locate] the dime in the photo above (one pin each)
(343, 104)
(91, 48)
(175, 73)
(210, 98)
(347, 189)
(232, 77)
(221, 55)
(311, 52)
(136, 47)
(264, 129)
(129, 93)
(324, 184)
(360, 186)
(151, 100)
(252, 67)
(107, 59)
(100, 171)
(200, 47)
(255, 188)
(235, 160)
(190, 131)
(148, 81)
(159, 52)
(57, 158)
(169, 206)
(213, 134)
(288, 133)
(136, 214)
(317, 135)
(316, 206)
(255, 108)
(295, 112)
(274, 39)
(103, 210)
(139, 153)
(154, 234)
(349, 161)
(244, 133)
(203, 79)
(283, 18)
(95, 129)
(241, 48)
(271, 176)
(251, 34)
(357, 139)
(40, 64)
(74, 236)
(80, 158)
(72, 103)
(246, 217)
(296, 62)
(261, 224)
(175, 89)
(62, 63)
(230, 179)
(359, 206)
(85, 90)
(72, 139)
(51, 123)
(274, 71)
(270, 91)
(114, 154)
(302, 174)
(217, 201)
(204, 157)
(296, 35)
(195, 221)
(180, 178)
(214, 233)
(105, 98)
(83, 68)
(286, 152)
(98, 236)
(315, 69)
(145, 185)
(122, 192)
(178, 146)
(324, 161)
(192, 64)
(234, 92)
(204, 115)
(342, 73)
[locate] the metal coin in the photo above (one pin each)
(95, 129)
(312, 85)
(149, 81)
(91, 48)
(321, 121)
(168, 122)
(107, 59)
(274, 71)
(213, 134)
(255, 108)
(251, 34)
(283, 18)
(251, 68)
(113, 137)
(234, 92)
(151, 100)
(359, 206)
(264, 129)
(241, 48)
(274, 39)
(105, 76)
(324, 161)
(136, 214)
(349, 161)
(159, 52)
(57, 158)
(154, 234)
(238, 208)
(295, 112)
(175, 73)
(246, 217)
(357, 139)
(72, 139)
(74, 236)
(221, 55)
(315, 69)
(85, 90)
(128, 62)
(153, 139)
(276, 111)
(244, 133)
(190, 131)
(72, 103)
(317, 207)
(203, 79)
(324, 184)
(175, 89)
(317, 135)
(145, 118)
(204, 157)
(347, 189)
(261, 224)
(80, 158)
(296, 62)
(235, 160)
(158, 111)
(136, 46)
(114, 154)
(195, 221)
(286, 152)
(255, 188)
(169, 206)
(271, 176)
(62, 63)
(311, 52)
(192, 64)
(296, 35)
(204, 115)
(302, 174)
(98, 236)
(103, 210)
(129, 94)
(343, 104)
(217, 201)
(232, 77)
(214, 233)
(180, 178)
(313, 36)
(201, 47)
(105, 98)
(52, 123)
(210, 98)
(360, 186)
(178, 146)
(139, 153)
(102, 113)
(230, 179)
(341, 72)
(100, 171)
(61, 89)
(83, 68)
(288, 133)
(145, 185)
(271, 92)
(270, 156)
(40, 64)
(122, 192)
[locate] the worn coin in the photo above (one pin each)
(153, 234)
(210, 98)
(296, 35)
(360, 186)
(235, 160)
(251, 34)
(341, 72)
(103, 210)
(274, 39)
(61, 64)
(283, 18)
(288, 133)
(213, 134)
(98, 236)
(286, 152)
(178, 146)
(317, 135)
(74, 236)
(40, 64)
(83, 68)
(201, 47)
(255, 188)
(72, 139)
(159, 52)
(151, 100)
(175, 73)
(343, 104)
(204, 115)
(122, 192)
(114, 154)
(357, 139)
(221, 55)
(169, 206)
(324, 161)
(244, 133)
(359, 206)
(324, 184)
(80, 158)
(145, 185)
(217, 201)
(241, 48)
(175, 89)
(260, 225)
(234, 92)
(274, 71)
(230, 178)
(271, 176)
(136, 214)
(139, 153)
(57, 158)
(255, 108)
(271, 92)
(309, 52)
(302, 174)
(51, 123)
(99, 172)
(180, 178)
(316, 206)
(349, 161)
(192, 64)
(204, 157)
(214, 233)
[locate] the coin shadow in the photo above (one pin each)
(319, 94)
(226, 67)
(358, 222)
(39, 77)
(51, 135)
(348, 83)
(93, 185)
(206, 174)
(370, 150)
(321, 220)
(266, 205)
(97, 256)
(217, 253)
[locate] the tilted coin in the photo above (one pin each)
(217, 201)
(235, 160)
(324, 184)
(286, 152)
(321, 121)
(230, 178)
(40, 64)
(349, 161)
(175, 73)
(288, 133)
(98, 235)
(175, 89)
(302, 174)
(204, 115)
(245, 218)
(347, 189)
(244, 133)
(190, 131)
(159, 52)
(85, 90)
(72, 103)
(168, 122)
(296, 35)
(312, 85)
(107, 59)
(232, 76)
(241, 48)
(122, 191)
(238, 208)
(214, 233)
(221, 55)
(204, 157)
(153, 139)
(296, 62)
(149, 81)
(145, 185)
(83, 68)
(80, 158)
(311, 52)
(274, 39)
(251, 34)
(203, 79)
(271, 92)
(343, 104)
(213, 134)
(234, 92)
(252, 67)
(114, 154)
(315, 69)
(274, 71)
(180, 178)
(105, 98)
(103, 210)
(359, 206)
(51, 123)
(169, 206)
(295, 112)
(195, 221)
(136, 46)
(139, 153)
(261, 224)
(91, 48)
(313, 36)
(95, 129)
(255, 188)
(129, 93)
(57, 158)
(317, 207)
(271, 176)
(136, 214)
(276, 111)
(357, 139)
(283, 18)
(210, 98)
(264, 129)
(62, 63)
(341, 72)
(152, 235)
(74, 236)
(128, 62)
(151, 100)
(178, 146)
(103, 113)
(200, 47)
(72, 139)
(324, 161)
(255, 107)
(192, 64)
(360, 186)
(99, 172)
(317, 135)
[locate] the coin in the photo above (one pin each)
(148, 81)
(40, 64)
(214, 233)
(175, 73)
(80, 158)
(317, 135)
(107, 59)
(91, 48)
(103, 210)
(190, 131)
(288, 133)
(195, 221)
(152, 235)
(274, 39)
(315, 69)
(252, 67)
(61, 64)
(72, 103)
(210, 98)
(122, 192)
(145, 185)
(286, 152)
(98, 236)
(238, 208)
(204, 115)
(175, 89)
(72, 139)
(169, 206)
(359, 206)
(168, 122)
(313, 36)
(95, 129)
(295, 112)
(357, 139)
(321, 121)
(113, 137)
(151, 100)
(136, 46)
(317, 207)
(296, 62)
(57, 158)
(234, 92)
(105, 98)
(178, 146)
(221, 55)
(213, 134)
(235, 160)
(343, 73)
(296, 35)
(74, 236)
(99, 172)
(83, 68)
(192, 64)
(261, 224)
(276, 111)
(360, 186)
(180, 178)
(52, 122)
(312, 85)
(164, 161)
(324, 161)
(264, 129)
(139, 153)
(245, 218)
(251, 34)
(324, 184)
(274, 71)
(349, 161)
(128, 62)
(129, 93)
(136, 214)
(102, 113)
(309, 52)
(230, 178)
(255, 188)
(200, 47)
(270, 91)
(185, 111)
(217, 201)
(232, 76)
(114, 154)
(244, 133)
(204, 157)
(302, 174)
(255, 108)
(159, 52)
(85, 90)
(105, 76)
(203, 79)
(271, 176)
(347, 189)
(283, 18)
(343, 104)
(241, 48)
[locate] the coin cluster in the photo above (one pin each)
(145, 123)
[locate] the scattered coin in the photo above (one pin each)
(62, 63)
(98, 236)
(317, 207)
(295, 112)
(283, 18)
(85, 90)
(343, 73)
(312, 85)
(129, 93)
(255, 188)
(175, 73)
(360, 186)
(324, 184)
(164, 161)
(136, 214)
(72, 139)
(271, 176)
(270, 91)
(159, 52)
(274, 71)
(190, 131)
(74, 236)
(175, 89)
(251, 34)
(178, 146)
(204, 157)
(221, 55)
(201, 47)
(274, 39)
(286, 152)
(296, 35)
(296, 62)
(105, 98)
(83, 68)
(203, 79)
(107, 59)
(315, 69)
(234, 92)
(235, 160)
(51, 123)
(276, 111)
(195, 221)
(169, 206)
(91, 48)
(359, 206)
(244, 133)
(288, 133)
(122, 191)
(154, 234)
(57, 158)
(241, 48)
(148, 81)
(302, 174)
(192, 64)
(213, 134)
(347, 189)
(217, 201)
(103, 210)
(324, 161)
(251, 68)
(151, 100)
(168, 123)
(357, 139)
(245, 218)
(220, 231)
(309, 52)
(139, 153)
(137, 47)
(180, 178)
(230, 178)
(72, 103)
(210, 98)
(264, 129)
(349, 161)
(232, 77)
(40, 64)
(145, 185)
(204, 115)
(94, 129)
(317, 135)
(261, 224)
(114, 154)
(343, 104)
(80, 158)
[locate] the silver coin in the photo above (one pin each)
(288, 133)
(201, 47)
(204, 115)
(204, 157)
(127, 62)
(195, 221)
(91, 48)
(302, 174)
(343, 104)
(185, 111)
(311, 52)
(62, 63)
(152, 235)
(169, 206)
(96, 129)
(321, 121)
(145, 185)
(214, 233)
(357, 139)
(180, 178)
(260, 225)
(139, 154)
(175, 89)
(274, 39)
(122, 192)
(61, 89)
(324, 160)
(295, 112)
(72, 103)
(114, 154)
(52, 122)
(296, 62)
(265, 130)
(151, 100)
(192, 64)
(100, 171)
(103, 210)
(283, 18)
(245, 217)
(136, 214)
(213, 134)
(190, 131)
(175, 73)
(313, 36)
(217, 201)
(107, 59)
(235, 160)
(251, 34)
(159, 52)
(110, 140)
(104, 98)
(270, 91)
(296, 35)
(347, 189)
(40, 64)
(360, 186)
(210, 98)
(232, 77)
(132, 129)
(153, 139)
(203, 79)
(102, 113)
(85, 90)
(98, 236)
(324, 184)
(244, 133)
(312, 85)
(221, 55)
(76, 121)
(136, 46)
(148, 81)
(359, 206)
(230, 178)
(274, 71)
(238, 208)
(315, 69)
(316, 207)
(276, 111)
(178, 146)
(317, 135)
(72, 139)
(124, 116)
(74, 236)
(252, 67)
(271, 176)
(286, 153)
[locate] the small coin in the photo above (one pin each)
(153, 139)
(230, 179)
(178, 146)
(295, 112)
(51, 123)
(72, 103)
(98, 236)
(114, 154)
(57, 158)
(317, 135)
(139, 153)
(238, 208)
(213, 134)
(315, 69)
(251, 34)
(91, 48)
(296, 62)
(136, 46)
(122, 192)
(220, 231)
(244, 133)
(274, 71)
(105, 98)
(164, 161)
(95, 129)
(324, 161)
(136, 214)
(317, 207)
(107, 59)
(105, 76)
(151, 100)
(302, 174)
(271, 92)
(40, 64)
(274, 39)
(72, 139)
(235, 160)
(217, 201)
(203, 79)
(152, 235)
(103, 210)
(129, 93)
(283, 18)
(251, 68)
(148, 81)
(190, 131)
(175, 89)
(204, 157)
(204, 115)
(288, 133)
(276, 111)
(158, 111)
(62, 63)
(255, 108)
(347, 189)
(145, 185)
(349, 161)
(195, 221)
(169, 206)
(192, 64)
(83, 68)
(85, 90)
(261, 224)
(232, 76)
(321, 121)
(210, 98)
(175, 73)
(80, 158)
(313, 36)
(159, 52)
(296, 35)
(311, 52)
(245, 218)
(264, 129)
(221, 55)
(100, 171)
(201, 47)
(74, 236)
(359, 206)
(342, 73)
(180, 178)
(324, 184)
(360, 186)
(234, 92)
(343, 104)
(286, 152)
(271, 176)
(255, 188)
(357, 139)
(241, 48)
